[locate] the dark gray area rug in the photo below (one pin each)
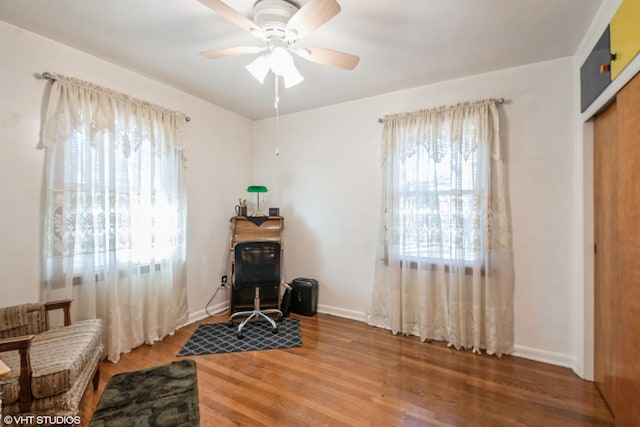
(214, 338)
(165, 395)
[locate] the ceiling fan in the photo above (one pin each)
(280, 24)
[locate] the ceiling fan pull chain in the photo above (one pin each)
(277, 105)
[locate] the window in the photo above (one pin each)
(113, 204)
(438, 206)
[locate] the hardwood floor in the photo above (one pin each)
(351, 374)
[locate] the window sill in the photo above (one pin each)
(432, 265)
(99, 275)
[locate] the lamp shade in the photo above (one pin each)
(257, 189)
(259, 68)
(281, 63)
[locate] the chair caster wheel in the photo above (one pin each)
(240, 336)
(274, 331)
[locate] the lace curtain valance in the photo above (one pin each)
(75, 104)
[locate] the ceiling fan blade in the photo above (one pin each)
(312, 15)
(323, 56)
(231, 51)
(230, 14)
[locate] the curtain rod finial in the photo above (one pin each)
(46, 75)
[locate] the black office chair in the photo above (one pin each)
(256, 265)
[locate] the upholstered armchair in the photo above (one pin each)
(50, 368)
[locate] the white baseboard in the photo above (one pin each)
(202, 314)
(341, 312)
(545, 356)
(324, 309)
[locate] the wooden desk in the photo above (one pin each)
(4, 370)
(242, 230)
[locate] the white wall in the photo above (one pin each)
(220, 146)
(327, 178)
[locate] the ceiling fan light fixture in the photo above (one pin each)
(259, 68)
(281, 63)
(292, 77)
(280, 60)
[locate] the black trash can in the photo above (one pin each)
(304, 296)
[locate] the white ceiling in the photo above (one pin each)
(401, 43)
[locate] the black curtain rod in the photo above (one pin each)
(498, 101)
(47, 75)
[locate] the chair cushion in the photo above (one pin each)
(58, 357)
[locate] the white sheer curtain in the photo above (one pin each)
(115, 212)
(444, 267)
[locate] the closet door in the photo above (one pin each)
(606, 282)
(627, 411)
(617, 260)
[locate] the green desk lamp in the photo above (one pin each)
(257, 189)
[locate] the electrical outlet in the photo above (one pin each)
(223, 280)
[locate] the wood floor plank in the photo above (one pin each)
(350, 374)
